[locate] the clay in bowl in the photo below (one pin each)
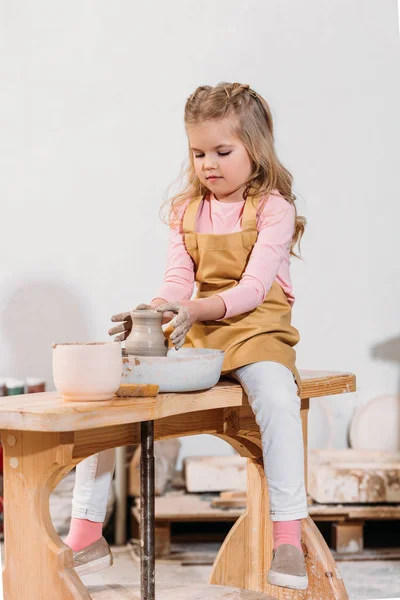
(146, 337)
(87, 371)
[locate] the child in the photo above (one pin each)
(232, 231)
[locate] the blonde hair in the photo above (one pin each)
(254, 128)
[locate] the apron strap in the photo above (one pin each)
(249, 218)
(189, 219)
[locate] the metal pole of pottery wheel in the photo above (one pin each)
(147, 541)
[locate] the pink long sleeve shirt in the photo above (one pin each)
(269, 260)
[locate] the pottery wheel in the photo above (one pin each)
(185, 370)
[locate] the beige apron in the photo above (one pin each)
(264, 333)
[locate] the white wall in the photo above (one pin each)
(92, 136)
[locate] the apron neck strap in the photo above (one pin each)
(249, 218)
(189, 219)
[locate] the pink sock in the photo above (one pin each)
(82, 533)
(287, 532)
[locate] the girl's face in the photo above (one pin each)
(220, 159)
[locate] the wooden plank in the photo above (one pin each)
(188, 508)
(353, 476)
(215, 473)
(362, 511)
(47, 411)
(229, 502)
(230, 495)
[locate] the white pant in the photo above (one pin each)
(272, 394)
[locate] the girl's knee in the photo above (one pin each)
(277, 403)
(271, 390)
(281, 398)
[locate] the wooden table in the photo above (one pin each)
(44, 438)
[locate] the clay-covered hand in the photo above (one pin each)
(167, 316)
(124, 328)
(182, 322)
(125, 321)
(144, 307)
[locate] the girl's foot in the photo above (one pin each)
(93, 558)
(288, 568)
(83, 533)
(287, 532)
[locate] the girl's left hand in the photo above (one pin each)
(186, 316)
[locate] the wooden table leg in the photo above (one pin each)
(38, 566)
(147, 509)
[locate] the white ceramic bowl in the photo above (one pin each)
(87, 371)
(184, 370)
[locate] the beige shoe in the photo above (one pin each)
(288, 568)
(93, 558)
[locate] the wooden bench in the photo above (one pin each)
(44, 438)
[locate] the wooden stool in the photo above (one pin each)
(193, 592)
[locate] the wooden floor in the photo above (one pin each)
(188, 592)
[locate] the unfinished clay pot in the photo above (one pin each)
(87, 371)
(147, 337)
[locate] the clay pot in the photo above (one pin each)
(147, 337)
(87, 371)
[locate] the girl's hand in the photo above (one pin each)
(186, 316)
(167, 316)
(125, 319)
(124, 328)
(144, 307)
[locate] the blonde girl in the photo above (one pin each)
(233, 229)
